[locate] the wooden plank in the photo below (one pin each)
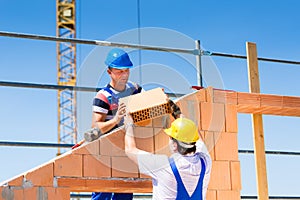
(258, 133)
(253, 74)
(105, 185)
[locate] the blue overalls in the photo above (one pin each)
(182, 194)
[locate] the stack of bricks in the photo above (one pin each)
(102, 165)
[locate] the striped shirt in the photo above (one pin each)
(106, 99)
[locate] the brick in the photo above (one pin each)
(230, 195)
(68, 165)
(41, 176)
(30, 193)
(18, 193)
(231, 123)
(161, 142)
(58, 193)
(209, 94)
(124, 167)
(209, 142)
(113, 144)
(8, 193)
(144, 138)
(235, 171)
(155, 106)
(16, 181)
(226, 146)
(220, 176)
(88, 148)
(144, 176)
(212, 116)
(161, 122)
(145, 122)
(190, 108)
(201, 95)
(211, 195)
(96, 166)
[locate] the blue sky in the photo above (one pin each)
(222, 26)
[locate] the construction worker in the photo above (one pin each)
(185, 175)
(107, 114)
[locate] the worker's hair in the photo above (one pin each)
(183, 150)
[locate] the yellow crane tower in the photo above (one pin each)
(66, 72)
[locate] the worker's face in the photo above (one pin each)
(119, 76)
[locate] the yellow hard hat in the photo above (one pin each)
(184, 130)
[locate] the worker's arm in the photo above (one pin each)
(130, 147)
(105, 126)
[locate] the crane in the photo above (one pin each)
(66, 72)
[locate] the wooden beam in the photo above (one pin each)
(127, 185)
(257, 123)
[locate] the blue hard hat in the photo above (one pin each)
(117, 58)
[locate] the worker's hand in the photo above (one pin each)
(175, 110)
(128, 119)
(121, 112)
(128, 122)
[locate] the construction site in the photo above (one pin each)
(82, 165)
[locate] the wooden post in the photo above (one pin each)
(257, 123)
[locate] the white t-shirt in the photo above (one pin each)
(189, 167)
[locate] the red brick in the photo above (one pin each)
(161, 142)
(8, 193)
(212, 116)
(68, 165)
(208, 139)
(58, 193)
(201, 95)
(226, 146)
(211, 195)
(209, 94)
(220, 176)
(235, 171)
(88, 148)
(41, 176)
(113, 144)
(144, 138)
(30, 193)
(230, 195)
(190, 107)
(124, 167)
(96, 166)
(231, 123)
(16, 181)
(161, 122)
(18, 193)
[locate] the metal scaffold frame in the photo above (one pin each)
(66, 72)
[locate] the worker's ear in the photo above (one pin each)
(173, 146)
(108, 71)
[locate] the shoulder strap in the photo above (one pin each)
(181, 190)
(107, 89)
(135, 88)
